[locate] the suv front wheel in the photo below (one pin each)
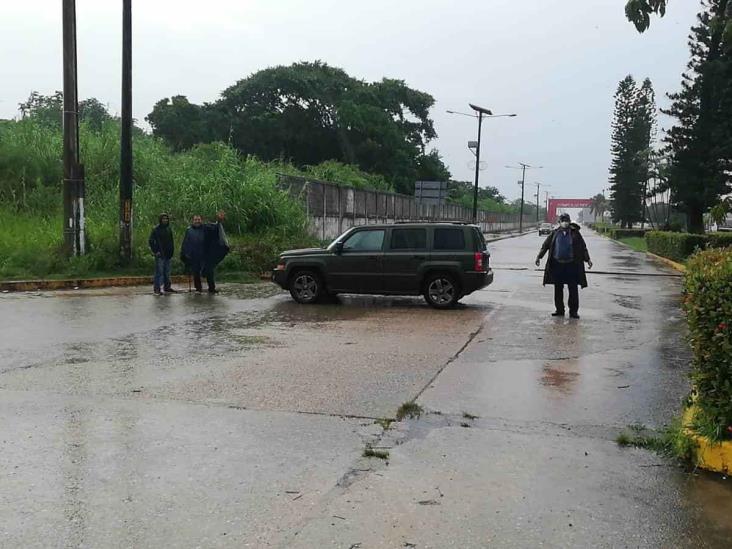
(306, 287)
(441, 291)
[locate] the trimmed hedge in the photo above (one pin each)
(679, 246)
(708, 304)
(676, 246)
(719, 240)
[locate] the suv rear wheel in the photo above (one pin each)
(441, 291)
(306, 287)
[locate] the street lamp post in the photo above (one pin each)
(482, 112)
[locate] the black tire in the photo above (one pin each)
(306, 287)
(441, 291)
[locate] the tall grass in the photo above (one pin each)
(260, 217)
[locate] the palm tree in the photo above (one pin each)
(599, 205)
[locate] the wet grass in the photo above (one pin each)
(369, 452)
(409, 409)
(636, 242)
(672, 441)
(385, 423)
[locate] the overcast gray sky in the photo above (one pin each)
(555, 63)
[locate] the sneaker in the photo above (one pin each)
(213, 291)
(558, 313)
(157, 292)
(171, 291)
(573, 315)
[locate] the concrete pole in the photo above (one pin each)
(125, 179)
(73, 184)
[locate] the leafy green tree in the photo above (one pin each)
(309, 113)
(639, 12)
(93, 113)
(599, 205)
(47, 110)
(183, 124)
(700, 144)
(430, 167)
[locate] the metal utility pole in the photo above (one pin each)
(125, 171)
(73, 187)
(538, 186)
(523, 167)
(476, 145)
(546, 205)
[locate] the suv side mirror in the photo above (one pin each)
(339, 248)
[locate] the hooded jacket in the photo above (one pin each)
(579, 249)
(161, 239)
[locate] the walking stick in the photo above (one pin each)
(189, 283)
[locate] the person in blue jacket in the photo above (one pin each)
(192, 250)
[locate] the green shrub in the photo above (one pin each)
(675, 246)
(708, 304)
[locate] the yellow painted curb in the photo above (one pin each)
(708, 455)
(71, 283)
(669, 262)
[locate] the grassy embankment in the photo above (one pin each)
(261, 219)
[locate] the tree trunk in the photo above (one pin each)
(696, 220)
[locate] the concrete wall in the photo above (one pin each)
(332, 209)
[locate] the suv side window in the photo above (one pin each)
(480, 243)
(449, 239)
(365, 241)
(409, 239)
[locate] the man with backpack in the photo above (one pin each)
(566, 264)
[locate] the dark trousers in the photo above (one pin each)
(573, 298)
(210, 280)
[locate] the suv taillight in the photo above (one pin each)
(478, 266)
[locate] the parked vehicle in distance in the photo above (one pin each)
(545, 228)
(441, 261)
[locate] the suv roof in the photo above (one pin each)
(418, 224)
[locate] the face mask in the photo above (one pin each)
(564, 224)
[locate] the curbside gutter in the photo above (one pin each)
(77, 283)
(712, 456)
(668, 262)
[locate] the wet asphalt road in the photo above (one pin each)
(128, 420)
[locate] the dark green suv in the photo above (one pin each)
(442, 261)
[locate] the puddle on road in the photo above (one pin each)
(628, 301)
(560, 375)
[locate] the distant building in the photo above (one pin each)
(431, 193)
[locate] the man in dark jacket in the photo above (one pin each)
(162, 246)
(192, 250)
(566, 264)
(215, 249)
